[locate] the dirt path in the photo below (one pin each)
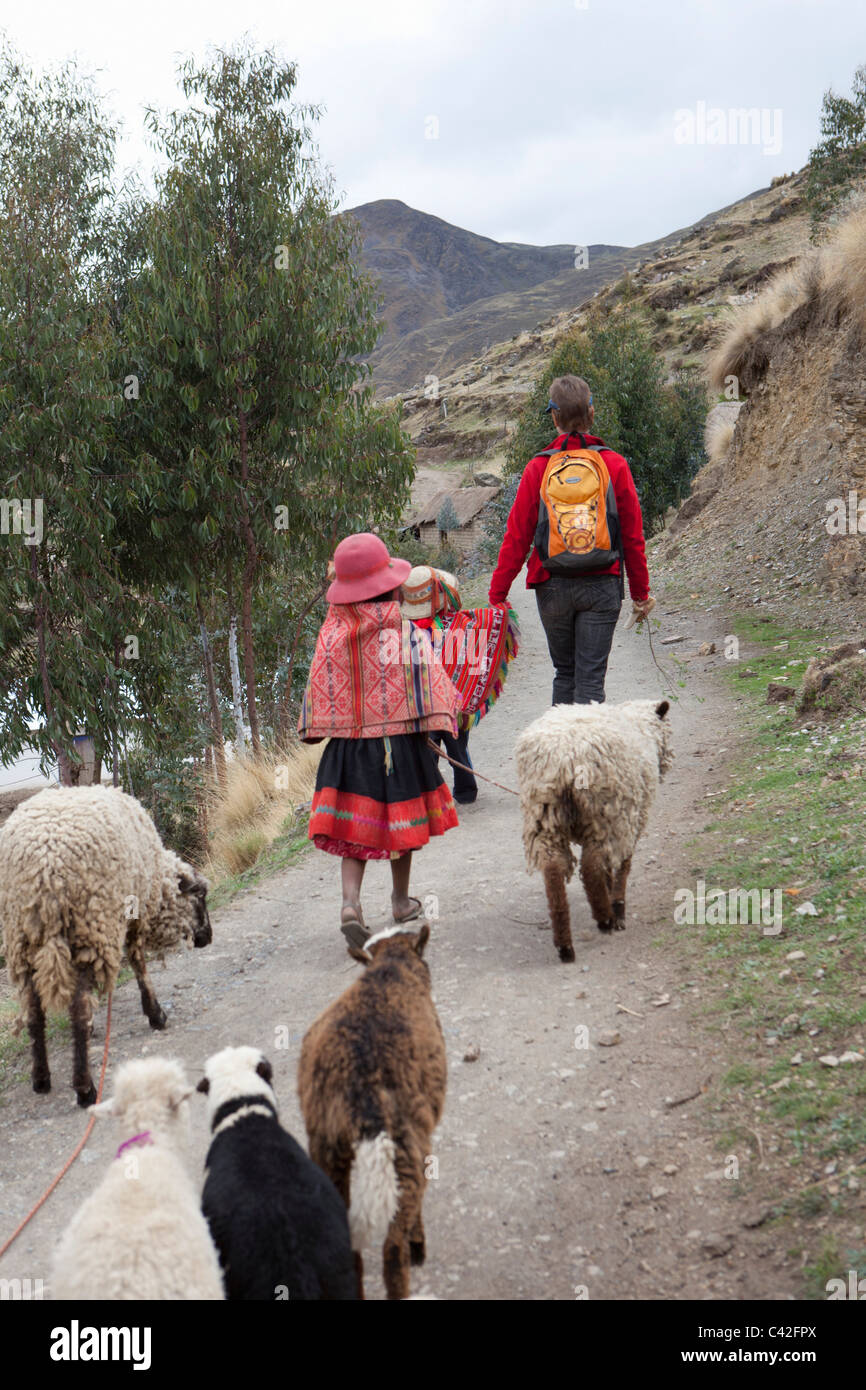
(561, 1170)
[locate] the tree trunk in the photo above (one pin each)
(216, 719)
(250, 567)
(237, 696)
(66, 770)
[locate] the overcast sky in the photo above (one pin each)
(525, 120)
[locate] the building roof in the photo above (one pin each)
(467, 502)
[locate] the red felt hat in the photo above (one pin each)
(364, 569)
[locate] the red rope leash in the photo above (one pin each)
(69, 1162)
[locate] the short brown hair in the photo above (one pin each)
(572, 398)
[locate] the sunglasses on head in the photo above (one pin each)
(551, 405)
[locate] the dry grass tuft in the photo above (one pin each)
(719, 434)
(740, 353)
(843, 278)
(831, 278)
(259, 799)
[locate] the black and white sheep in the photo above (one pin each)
(371, 1081)
(84, 878)
(277, 1220)
(141, 1234)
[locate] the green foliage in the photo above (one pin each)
(838, 162)
(182, 388)
(657, 426)
(63, 607)
(446, 520)
(496, 517)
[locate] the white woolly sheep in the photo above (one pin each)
(277, 1221)
(141, 1234)
(371, 1081)
(588, 776)
(85, 877)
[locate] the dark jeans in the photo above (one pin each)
(458, 748)
(578, 617)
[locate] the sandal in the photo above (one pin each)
(410, 916)
(355, 931)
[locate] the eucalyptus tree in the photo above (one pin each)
(62, 601)
(247, 325)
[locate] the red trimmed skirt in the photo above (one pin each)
(379, 798)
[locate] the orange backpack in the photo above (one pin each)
(578, 523)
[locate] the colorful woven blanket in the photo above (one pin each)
(374, 675)
(475, 646)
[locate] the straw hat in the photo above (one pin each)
(428, 591)
(364, 569)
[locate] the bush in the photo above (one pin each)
(171, 788)
(657, 426)
(495, 519)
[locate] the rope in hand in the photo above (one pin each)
(440, 753)
(664, 673)
(84, 1138)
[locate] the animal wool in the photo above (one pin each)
(588, 776)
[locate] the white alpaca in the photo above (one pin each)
(588, 776)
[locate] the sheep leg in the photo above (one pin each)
(359, 1271)
(405, 1238)
(81, 1015)
(619, 884)
(39, 1074)
(417, 1242)
(557, 903)
(597, 883)
(151, 1007)
(340, 1173)
(396, 1260)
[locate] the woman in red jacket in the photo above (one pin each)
(578, 611)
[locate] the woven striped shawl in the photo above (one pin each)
(374, 675)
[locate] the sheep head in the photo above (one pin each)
(233, 1074)
(195, 922)
(150, 1093)
(403, 937)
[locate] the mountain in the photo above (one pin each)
(446, 292)
(688, 283)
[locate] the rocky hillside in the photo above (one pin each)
(778, 516)
(447, 294)
(689, 284)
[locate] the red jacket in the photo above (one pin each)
(523, 519)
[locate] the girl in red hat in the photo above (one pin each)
(376, 690)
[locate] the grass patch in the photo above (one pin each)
(789, 820)
(15, 1045)
(282, 851)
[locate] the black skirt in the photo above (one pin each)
(379, 798)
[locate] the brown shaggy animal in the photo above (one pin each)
(371, 1082)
